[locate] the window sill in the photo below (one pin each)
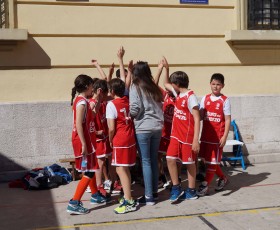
(10, 37)
(253, 39)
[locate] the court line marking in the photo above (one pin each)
(168, 218)
(207, 223)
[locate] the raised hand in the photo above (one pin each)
(112, 69)
(94, 62)
(165, 63)
(121, 52)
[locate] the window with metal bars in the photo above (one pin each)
(264, 14)
(3, 13)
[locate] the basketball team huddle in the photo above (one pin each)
(114, 119)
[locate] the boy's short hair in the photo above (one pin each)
(218, 77)
(118, 73)
(102, 84)
(118, 86)
(180, 79)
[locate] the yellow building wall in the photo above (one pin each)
(65, 36)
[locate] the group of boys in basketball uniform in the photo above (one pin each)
(180, 135)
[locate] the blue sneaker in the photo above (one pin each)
(98, 198)
(176, 193)
(189, 194)
(145, 200)
(76, 207)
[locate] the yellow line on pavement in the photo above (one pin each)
(251, 211)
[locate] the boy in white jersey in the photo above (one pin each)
(216, 116)
(184, 136)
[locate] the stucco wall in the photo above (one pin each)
(65, 36)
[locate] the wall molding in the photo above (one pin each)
(122, 5)
(151, 65)
(129, 35)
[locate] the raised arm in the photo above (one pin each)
(166, 81)
(166, 70)
(159, 71)
(120, 55)
(111, 72)
(100, 70)
(129, 74)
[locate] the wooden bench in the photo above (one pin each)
(71, 161)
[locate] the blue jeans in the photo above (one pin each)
(148, 145)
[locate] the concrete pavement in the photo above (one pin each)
(250, 201)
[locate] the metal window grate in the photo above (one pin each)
(4, 14)
(264, 14)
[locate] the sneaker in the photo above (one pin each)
(145, 200)
(88, 190)
(125, 207)
(166, 185)
(117, 188)
(76, 207)
(202, 189)
(189, 194)
(221, 183)
(107, 185)
(102, 190)
(176, 193)
(98, 198)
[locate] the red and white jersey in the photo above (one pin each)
(183, 121)
(118, 109)
(168, 112)
(80, 100)
(213, 118)
(100, 120)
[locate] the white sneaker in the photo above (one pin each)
(167, 184)
(107, 185)
(88, 190)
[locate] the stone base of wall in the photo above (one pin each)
(39, 134)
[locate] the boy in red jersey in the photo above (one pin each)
(184, 144)
(122, 140)
(216, 115)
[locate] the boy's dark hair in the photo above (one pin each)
(180, 79)
(81, 83)
(102, 84)
(118, 73)
(118, 86)
(218, 77)
(95, 79)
